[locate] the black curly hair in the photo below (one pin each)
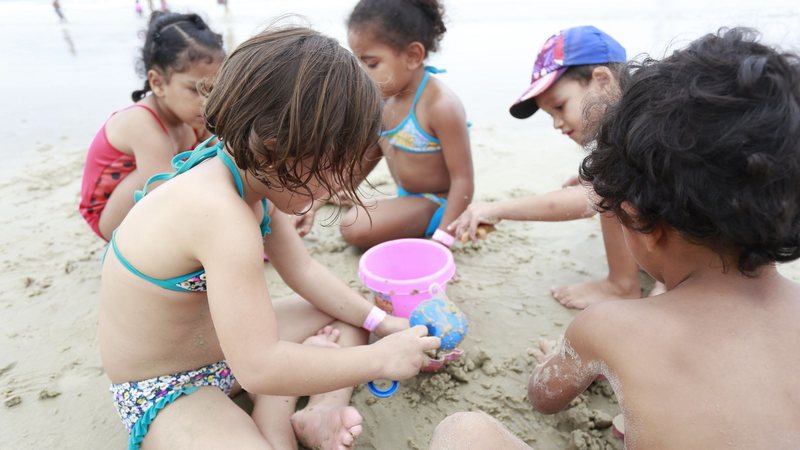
(173, 41)
(707, 142)
(400, 22)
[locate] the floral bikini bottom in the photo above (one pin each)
(138, 402)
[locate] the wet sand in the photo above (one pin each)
(53, 386)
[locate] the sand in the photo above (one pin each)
(55, 392)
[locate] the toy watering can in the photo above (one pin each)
(443, 320)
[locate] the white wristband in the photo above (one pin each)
(443, 237)
(374, 318)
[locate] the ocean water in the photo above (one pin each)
(60, 81)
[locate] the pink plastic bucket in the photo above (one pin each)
(400, 273)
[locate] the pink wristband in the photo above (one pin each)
(374, 318)
(444, 237)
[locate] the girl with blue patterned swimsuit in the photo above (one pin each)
(174, 346)
(425, 142)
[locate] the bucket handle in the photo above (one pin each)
(377, 392)
(436, 291)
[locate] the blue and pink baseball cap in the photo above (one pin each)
(571, 47)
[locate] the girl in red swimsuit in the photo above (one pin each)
(140, 140)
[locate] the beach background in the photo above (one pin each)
(60, 81)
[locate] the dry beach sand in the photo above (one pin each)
(52, 385)
(55, 392)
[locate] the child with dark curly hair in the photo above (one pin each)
(699, 161)
(425, 142)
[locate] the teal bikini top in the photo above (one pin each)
(409, 135)
(182, 162)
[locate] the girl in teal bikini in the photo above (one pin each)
(294, 113)
(426, 143)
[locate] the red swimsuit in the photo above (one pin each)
(105, 168)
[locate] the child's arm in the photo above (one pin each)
(246, 326)
(569, 203)
(572, 366)
(449, 124)
(137, 131)
(316, 283)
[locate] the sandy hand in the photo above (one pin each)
(403, 353)
(481, 232)
(304, 223)
(474, 215)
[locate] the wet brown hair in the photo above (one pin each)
(295, 104)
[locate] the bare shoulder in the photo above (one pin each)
(442, 100)
(130, 126)
(608, 324)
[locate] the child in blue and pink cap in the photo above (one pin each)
(575, 69)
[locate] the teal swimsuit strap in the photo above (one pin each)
(421, 88)
(428, 71)
(413, 116)
(181, 163)
(223, 155)
(171, 283)
(184, 161)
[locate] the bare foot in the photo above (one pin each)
(318, 427)
(326, 337)
(581, 295)
(658, 289)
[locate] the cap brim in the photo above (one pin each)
(526, 105)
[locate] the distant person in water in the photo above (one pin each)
(57, 9)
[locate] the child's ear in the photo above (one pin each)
(603, 77)
(157, 82)
(653, 238)
(415, 55)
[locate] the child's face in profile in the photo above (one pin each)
(385, 65)
(181, 96)
(564, 102)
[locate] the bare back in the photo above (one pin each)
(705, 368)
(147, 330)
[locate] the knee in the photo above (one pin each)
(457, 430)
(355, 230)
